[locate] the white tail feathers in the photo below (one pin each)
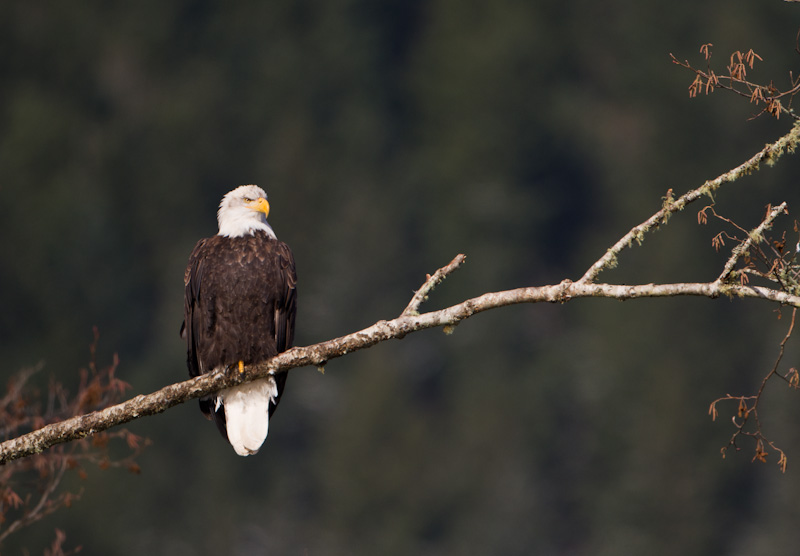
(247, 414)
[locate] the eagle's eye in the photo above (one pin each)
(248, 200)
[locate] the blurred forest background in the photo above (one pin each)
(390, 136)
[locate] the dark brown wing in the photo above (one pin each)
(192, 279)
(193, 318)
(286, 300)
(285, 309)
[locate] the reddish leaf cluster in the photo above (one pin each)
(735, 80)
(30, 488)
(763, 258)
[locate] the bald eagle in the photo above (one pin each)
(239, 308)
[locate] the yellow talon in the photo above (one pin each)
(241, 366)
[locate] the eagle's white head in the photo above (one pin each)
(243, 211)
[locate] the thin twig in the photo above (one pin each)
(755, 236)
(745, 412)
(430, 283)
(41, 509)
(709, 80)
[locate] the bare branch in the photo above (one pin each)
(768, 154)
(318, 354)
(430, 283)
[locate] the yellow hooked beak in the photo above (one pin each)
(260, 205)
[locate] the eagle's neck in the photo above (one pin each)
(241, 223)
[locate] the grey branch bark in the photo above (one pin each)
(319, 354)
(411, 320)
